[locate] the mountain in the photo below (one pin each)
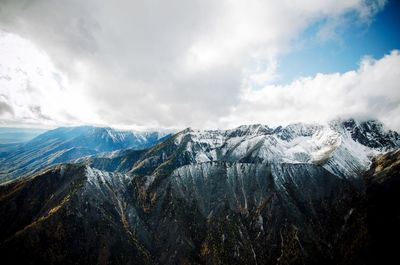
(382, 210)
(300, 194)
(215, 212)
(18, 135)
(70, 143)
(338, 147)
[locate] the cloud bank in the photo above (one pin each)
(179, 63)
(370, 92)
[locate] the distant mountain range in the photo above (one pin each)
(343, 148)
(300, 194)
(67, 144)
(18, 135)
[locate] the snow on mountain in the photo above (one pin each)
(344, 148)
(253, 192)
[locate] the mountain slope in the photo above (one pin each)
(300, 194)
(383, 211)
(70, 143)
(333, 146)
(215, 212)
(71, 217)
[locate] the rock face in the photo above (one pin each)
(67, 144)
(334, 146)
(215, 212)
(303, 194)
(383, 210)
(63, 216)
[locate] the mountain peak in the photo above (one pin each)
(339, 150)
(371, 133)
(244, 191)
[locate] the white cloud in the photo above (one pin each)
(32, 90)
(370, 92)
(158, 63)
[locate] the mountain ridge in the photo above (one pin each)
(250, 195)
(70, 143)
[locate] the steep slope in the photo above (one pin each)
(67, 215)
(372, 134)
(117, 161)
(66, 144)
(266, 213)
(214, 212)
(383, 210)
(250, 195)
(332, 146)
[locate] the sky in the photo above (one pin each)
(203, 64)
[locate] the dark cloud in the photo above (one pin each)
(5, 108)
(38, 114)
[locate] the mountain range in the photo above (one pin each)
(67, 144)
(299, 194)
(9, 136)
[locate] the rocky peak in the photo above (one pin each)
(372, 133)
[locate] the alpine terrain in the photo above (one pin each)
(299, 194)
(66, 144)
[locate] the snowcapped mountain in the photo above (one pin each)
(341, 147)
(298, 194)
(296, 143)
(97, 138)
(70, 143)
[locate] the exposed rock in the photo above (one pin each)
(252, 195)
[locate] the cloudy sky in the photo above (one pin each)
(198, 63)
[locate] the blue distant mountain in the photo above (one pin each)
(69, 143)
(18, 135)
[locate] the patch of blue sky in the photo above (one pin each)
(320, 50)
